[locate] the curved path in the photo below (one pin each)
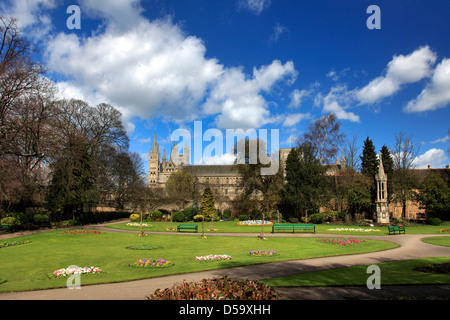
(410, 247)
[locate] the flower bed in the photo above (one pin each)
(72, 271)
(213, 257)
(262, 253)
(342, 242)
(82, 231)
(13, 244)
(221, 288)
(254, 223)
(445, 230)
(136, 224)
(152, 263)
(354, 229)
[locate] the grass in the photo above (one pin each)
(26, 267)
(439, 241)
(232, 227)
(392, 273)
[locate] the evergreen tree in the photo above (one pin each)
(369, 161)
(369, 166)
(388, 165)
(207, 207)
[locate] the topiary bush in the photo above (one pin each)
(243, 217)
(178, 216)
(434, 221)
(42, 220)
(221, 288)
(134, 217)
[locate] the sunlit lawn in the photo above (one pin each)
(232, 227)
(392, 273)
(28, 266)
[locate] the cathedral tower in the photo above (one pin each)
(153, 163)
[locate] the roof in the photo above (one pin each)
(212, 170)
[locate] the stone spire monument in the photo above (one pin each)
(381, 202)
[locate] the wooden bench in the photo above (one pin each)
(396, 229)
(187, 227)
(4, 227)
(292, 227)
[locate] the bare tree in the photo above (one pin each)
(352, 153)
(325, 137)
(404, 182)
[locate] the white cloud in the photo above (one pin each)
(277, 32)
(400, 70)
(121, 14)
(434, 157)
(294, 119)
(238, 99)
(337, 101)
(441, 140)
(297, 96)
(254, 6)
(151, 67)
(436, 94)
(226, 158)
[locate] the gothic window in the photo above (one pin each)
(227, 181)
(218, 181)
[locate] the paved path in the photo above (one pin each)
(410, 247)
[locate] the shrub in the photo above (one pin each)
(188, 213)
(221, 288)
(434, 221)
(226, 214)
(198, 218)
(134, 217)
(8, 220)
(156, 214)
(293, 220)
(42, 220)
(243, 217)
(178, 216)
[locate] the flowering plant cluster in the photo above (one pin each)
(342, 242)
(254, 223)
(82, 231)
(354, 229)
(150, 263)
(445, 230)
(222, 288)
(12, 244)
(261, 253)
(213, 257)
(136, 224)
(71, 271)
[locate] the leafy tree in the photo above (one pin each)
(305, 187)
(434, 195)
(72, 183)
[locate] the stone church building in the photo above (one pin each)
(224, 180)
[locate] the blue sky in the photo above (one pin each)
(253, 64)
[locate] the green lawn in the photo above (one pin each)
(392, 273)
(232, 227)
(27, 266)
